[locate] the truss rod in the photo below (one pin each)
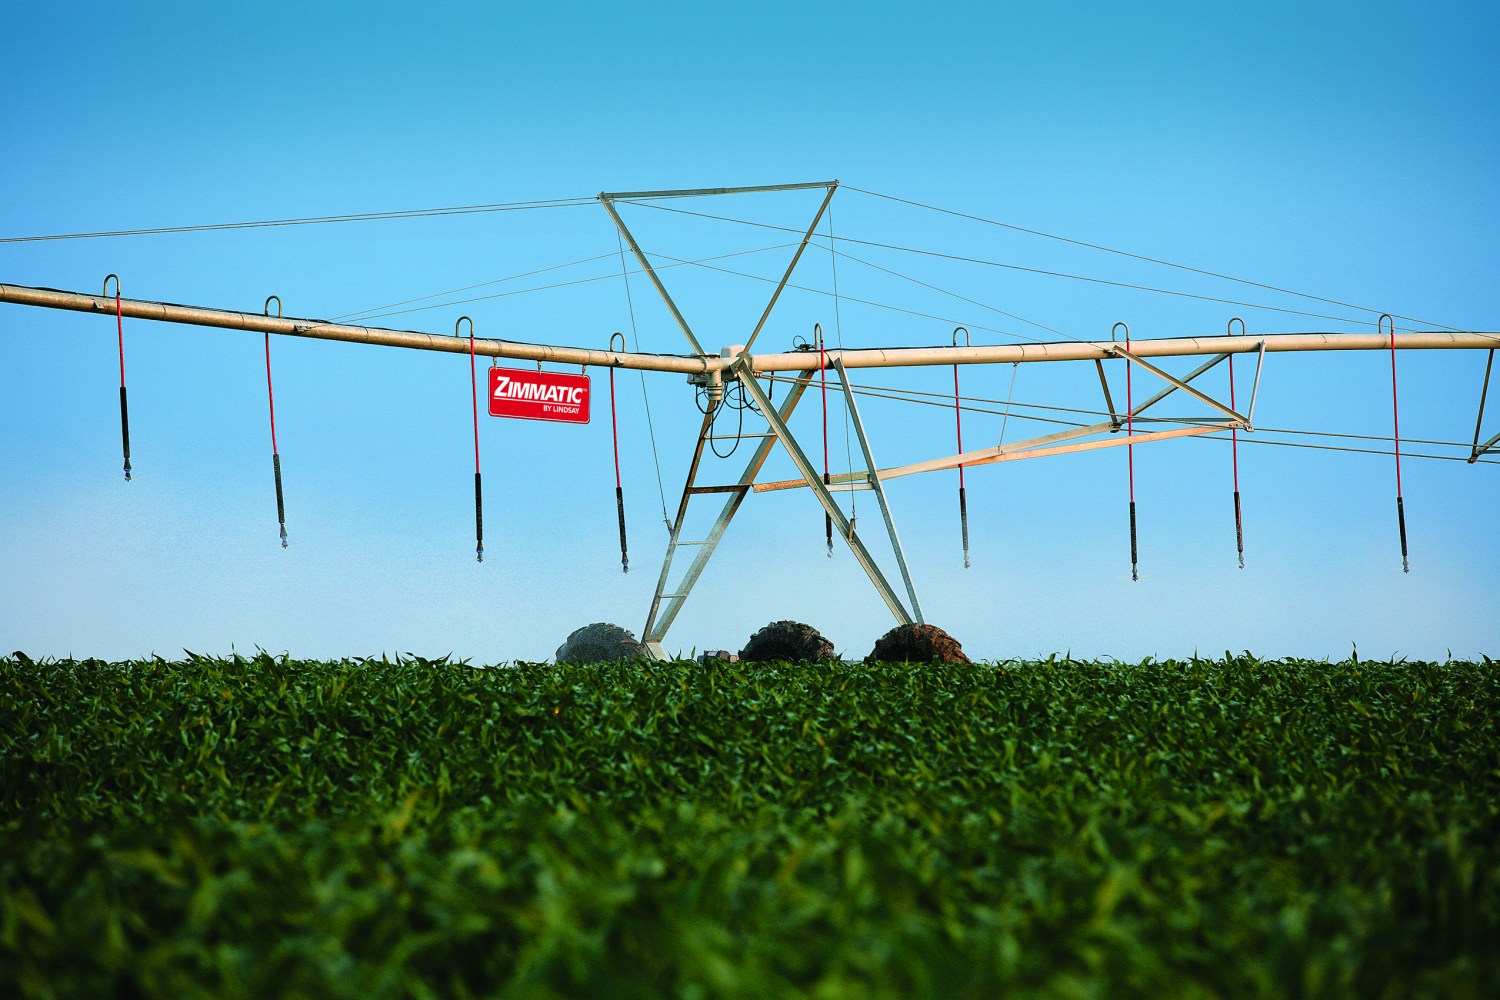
(704, 192)
(989, 456)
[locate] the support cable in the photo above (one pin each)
(1037, 271)
(469, 288)
(417, 213)
(564, 284)
(650, 427)
(1396, 433)
(944, 401)
(1136, 256)
(124, 405)
(961, 298)
(864, 302)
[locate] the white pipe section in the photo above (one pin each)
(166, 312)
(796, 361)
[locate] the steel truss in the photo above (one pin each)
(714, 371)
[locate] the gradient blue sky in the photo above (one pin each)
(1346, 149)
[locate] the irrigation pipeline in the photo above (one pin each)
(796, 361)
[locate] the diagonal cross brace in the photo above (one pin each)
(664, 608)
(1054, 443)
(650, 636)
(873, 477)
(1480, 449)
(1006, 453)
(608, 201)
(1177, 383)
(744, 369)
(780, 285)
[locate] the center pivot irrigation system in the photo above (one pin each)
(736, 378)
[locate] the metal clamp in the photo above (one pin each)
(105, 293)
(1116, 327)
(459, 322)
(267, 309)
(1229, 332)
(967, 341)
(622, 346)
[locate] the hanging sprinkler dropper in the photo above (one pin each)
(478, 489)
(1129, 448)
(271, 405)
(124, 408)
(1396, 434)
(614, 429)
(1234, 451)
(958, 420)
(823, 383)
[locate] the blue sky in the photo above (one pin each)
(1343, 149)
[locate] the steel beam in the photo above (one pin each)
(990, 456)
(653, 645)
(796, 257)
(1163, 394)
(814, 480)
(660, 619)
(1260, 361)
(318, 329)
(874, 480)
(704, 192)
(661, 289)
(1484, 390)
(795, 361)
(1177, 383)
(1109, 402)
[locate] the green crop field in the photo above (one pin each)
(1201, 828)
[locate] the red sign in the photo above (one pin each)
(534, 395)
